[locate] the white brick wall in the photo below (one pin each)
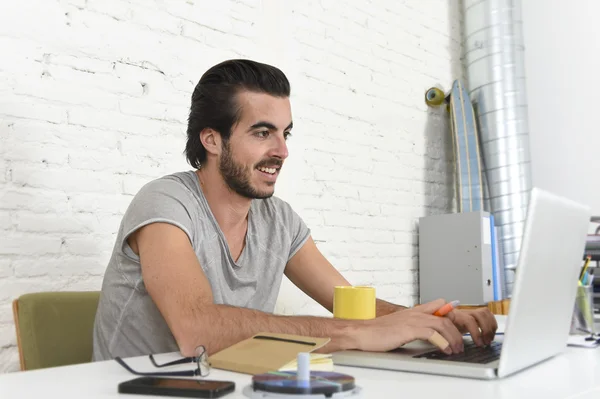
(94, 96)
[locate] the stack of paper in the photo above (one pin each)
(318, 362)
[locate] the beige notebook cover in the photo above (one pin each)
(264, 352)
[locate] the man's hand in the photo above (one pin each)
(398, 328)
(480, 323)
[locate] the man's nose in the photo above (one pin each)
(280, 149)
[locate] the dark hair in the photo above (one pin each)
(214, 99)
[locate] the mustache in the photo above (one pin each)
(270, 163)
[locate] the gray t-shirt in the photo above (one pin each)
(128, 323)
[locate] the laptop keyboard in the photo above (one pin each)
(471, 354)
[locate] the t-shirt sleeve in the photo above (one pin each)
(162, 200)
(297, 229)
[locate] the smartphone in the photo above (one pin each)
(177, 387)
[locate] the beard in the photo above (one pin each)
(238, 177)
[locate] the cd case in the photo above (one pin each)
(266, 352)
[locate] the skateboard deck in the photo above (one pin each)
(465, 140)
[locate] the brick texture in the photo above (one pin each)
(93, 104)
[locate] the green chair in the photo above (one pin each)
(55, 328)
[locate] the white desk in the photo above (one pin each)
(574, 374)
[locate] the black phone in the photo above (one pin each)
(177, 387)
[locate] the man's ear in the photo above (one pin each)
(211, 140)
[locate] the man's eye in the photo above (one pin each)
(287, 135)
(262, 134)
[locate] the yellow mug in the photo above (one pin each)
(356, 303)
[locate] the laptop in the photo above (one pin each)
(541, 307)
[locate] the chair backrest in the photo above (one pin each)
(55, 328)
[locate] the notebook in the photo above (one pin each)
(265, 352)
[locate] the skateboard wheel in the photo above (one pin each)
(434, 97)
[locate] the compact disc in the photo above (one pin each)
(320, 382)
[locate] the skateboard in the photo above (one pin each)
(465, 142)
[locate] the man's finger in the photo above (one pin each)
(486, 322)
(430, 307)
(429, 334)
(439, 341)
(494, 321)
(447, 329)
(452, 334)
(473, 327)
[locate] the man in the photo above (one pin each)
(199, 255)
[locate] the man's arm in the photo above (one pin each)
(308, 263)
(383, 307)
(182, 293)
(175, 281)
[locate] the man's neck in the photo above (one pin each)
(229, 208)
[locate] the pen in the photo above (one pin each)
(585, 266)
(447, 308)
(589, 280)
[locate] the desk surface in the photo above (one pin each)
(575, 373)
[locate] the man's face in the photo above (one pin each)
(251, 159)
